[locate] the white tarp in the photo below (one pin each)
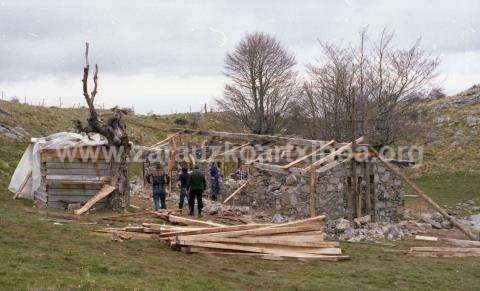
(27, 176)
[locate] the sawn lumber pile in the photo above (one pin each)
(443, 252)
(300, 240)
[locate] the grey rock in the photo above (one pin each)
(278, 218)
(455, 143)
(472, 121)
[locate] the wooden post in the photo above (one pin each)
(313, 193)
(359, 197)
(429, 200)
(368, 189)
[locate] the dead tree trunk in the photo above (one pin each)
(115, 131)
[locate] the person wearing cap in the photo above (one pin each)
(159, 180)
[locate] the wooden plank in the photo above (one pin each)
(22, 186)
(442, 255)
(312, 194)
(205, 251)
(72, 192)
(331, 156)
(456, 242)
(277, 169)
(235, 192)
(63, 205)
(323, 147)
(104, 192)
(84, 153)
(218, 229)
(426, 198)
(259, 137)
(65, 184)
(192, 159)
(166, 140)
(71, 198)
(212, 158)
(308, 221)
(273, 241)
(259, 231)
(277, 250)
(441, 252)
(80, 178)
(188, 221)
(74, 159)
(39, 195)
(76, 165)
(75, 172)
(445, 249)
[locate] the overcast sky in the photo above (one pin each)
(167, 56)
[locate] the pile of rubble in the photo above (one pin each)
(468, 206)
(344, 230)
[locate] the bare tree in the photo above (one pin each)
(115, 131)
(262, 83)
(382, 80)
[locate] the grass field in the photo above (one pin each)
(39, 253)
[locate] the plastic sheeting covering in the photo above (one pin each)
(27, 176)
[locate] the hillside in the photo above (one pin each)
(49, 253)
(447, 129)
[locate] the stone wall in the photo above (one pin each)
(288, 195)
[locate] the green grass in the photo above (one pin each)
(451, 188)
(37, 254)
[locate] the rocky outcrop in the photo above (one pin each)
(468, 97)
(13, 132)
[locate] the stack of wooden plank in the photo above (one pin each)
(443, 252)
(300, 240)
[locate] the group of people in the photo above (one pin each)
(192, 185)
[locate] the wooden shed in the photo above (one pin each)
(74, 178)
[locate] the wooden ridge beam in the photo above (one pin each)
(286, 167)
(255, 137)
(331, 156)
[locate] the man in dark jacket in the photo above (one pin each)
(183, 181)
(196, 185)
(159, 180)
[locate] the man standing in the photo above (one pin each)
(159, 180)
(183, 181)
(215, 179)
(196, 185)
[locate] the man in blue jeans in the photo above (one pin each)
(183, 180)
(159, 180)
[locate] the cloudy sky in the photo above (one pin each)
(167, 56)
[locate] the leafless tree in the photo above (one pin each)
(115, 131)
(262, 83)
(380, 77)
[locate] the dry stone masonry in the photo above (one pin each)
(288, 195)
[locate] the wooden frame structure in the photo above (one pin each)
(328, 151)
(312, 169)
